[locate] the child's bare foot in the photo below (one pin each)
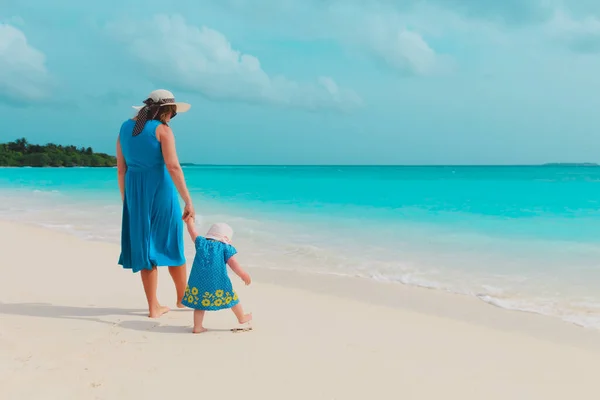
(199, 329)
(179, 305)
(245, 318)
(157, 312)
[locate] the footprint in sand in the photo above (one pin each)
(238, 330)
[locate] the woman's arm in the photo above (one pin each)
(121, 168)
(167, 140)
(238, 270)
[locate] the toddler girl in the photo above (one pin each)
(209, 287)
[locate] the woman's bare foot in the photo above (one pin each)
(157, 312)
(245, 318)
(199, 329)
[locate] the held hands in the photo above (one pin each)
(189, 214)
(189, 222)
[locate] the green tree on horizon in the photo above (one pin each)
(21, 153)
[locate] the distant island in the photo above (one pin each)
(586, 164)
(21, 153)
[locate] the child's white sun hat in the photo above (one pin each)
(221, 232)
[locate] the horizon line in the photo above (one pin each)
(549, 164)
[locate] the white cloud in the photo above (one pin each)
(15, 20)
(203, 60)
(23, 74)
(377, 28)
(403, 33)
(383, 32)
(402, 49)
(582, 34)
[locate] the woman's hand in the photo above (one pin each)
(189, 212)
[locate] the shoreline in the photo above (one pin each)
(413, 298)
(75, 323)
(346, 283)
(436, 303)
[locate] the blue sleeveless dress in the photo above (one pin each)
(209, 287)
(152, 228)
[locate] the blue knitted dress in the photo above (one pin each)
(209, 287)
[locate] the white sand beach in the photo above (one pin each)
(73, 326)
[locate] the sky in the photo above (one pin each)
(312, 81)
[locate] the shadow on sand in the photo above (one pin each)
(94, 314)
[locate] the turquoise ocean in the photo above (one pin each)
(524, 238)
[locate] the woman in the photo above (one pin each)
(149, 178)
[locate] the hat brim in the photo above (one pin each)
(181, 107)
(218, 239)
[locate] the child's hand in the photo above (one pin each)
(246, 278)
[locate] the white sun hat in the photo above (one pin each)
(221, 232)
(165, 98)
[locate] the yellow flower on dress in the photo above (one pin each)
(228, 299)
(219, 293)
(206, 294)
(187, 290)
(195, 291)
(235, 296)
(218, 303)
(205, 303)
(190, 299)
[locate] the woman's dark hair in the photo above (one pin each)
(165, 112)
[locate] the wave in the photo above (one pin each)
(586, 317)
